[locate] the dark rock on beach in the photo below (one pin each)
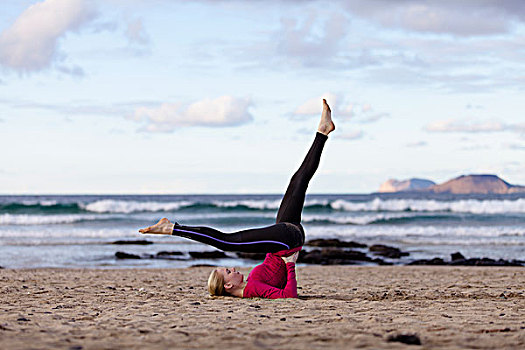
(457, 259)
(131, 242)
(334, 243)
(457, 256)
(435, 261)
(411, 339)
(485, 262)
(216, 254)
(173, 255)
(168, 255)
(387, 251)
(324, 256)
(335, 252)
(333, 256)
(165, 253)
(123, 255)
(381, 262)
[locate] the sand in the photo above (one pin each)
(339, 307)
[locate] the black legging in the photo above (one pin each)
(287, 233)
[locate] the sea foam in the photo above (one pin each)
(126, 207)
(24, 219)
(473, 206)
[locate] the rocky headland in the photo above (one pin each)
(464, 184)
(477, 184)
(393, 185)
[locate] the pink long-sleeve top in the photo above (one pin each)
(273, 278)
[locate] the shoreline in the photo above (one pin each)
(323, 251)
(445, 307)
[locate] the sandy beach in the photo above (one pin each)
(339, 307)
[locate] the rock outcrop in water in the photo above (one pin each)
(334, 242)
(335, 252)
(132, 242)
(477, 184)
(124, 255)
(337, 256)
(464, 184)
(394, 185)
(387, 251)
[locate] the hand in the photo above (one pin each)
(291, 258)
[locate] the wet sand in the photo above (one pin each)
(339, 307)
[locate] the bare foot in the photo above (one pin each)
(163, 227)
(326, 125)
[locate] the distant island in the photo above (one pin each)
(464, 184)
(394, 185)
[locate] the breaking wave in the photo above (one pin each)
(25, 219)
(472, 206)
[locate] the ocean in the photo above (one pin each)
(78, 230)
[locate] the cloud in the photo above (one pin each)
(461, 18)
(351, 135)
(516, 146)
(155, 116)
(362, 113)
(471, 106)
(77, 108)
(446, 45)
(464, 126)
(314, 106)
(31, 42)
(472, 126)
(417, 144)
(474, 147)
(136, 33)
(74, 70)
(220, 112)
(314, 39)
(105, 26)
(371, 116)
(519, 127)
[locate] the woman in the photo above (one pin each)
(275, 277)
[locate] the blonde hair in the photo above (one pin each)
(216, 284)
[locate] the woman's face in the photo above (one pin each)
(230, 275)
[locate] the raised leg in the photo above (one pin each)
(293, 201)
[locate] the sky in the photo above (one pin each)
(190, 97)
